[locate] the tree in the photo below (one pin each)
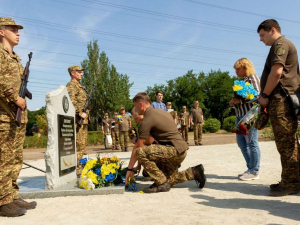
(111, 88)
(32, 117)
(218, 92)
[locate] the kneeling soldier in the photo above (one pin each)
(161, 161)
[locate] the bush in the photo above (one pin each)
(95, 137)
(229, 123)
(211, 126)
(35, 141)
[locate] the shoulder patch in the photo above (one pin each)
(279, 50)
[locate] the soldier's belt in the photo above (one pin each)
(7, 109)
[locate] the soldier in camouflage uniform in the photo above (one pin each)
(78, 97)
(281, 71)
(12, 137)
(115, 132)
(184, 118)
(161, 161)
(124, 125)
(197, 121)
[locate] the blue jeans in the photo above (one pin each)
(250, 148)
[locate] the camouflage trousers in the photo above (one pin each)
(185, 132)
(197, 133)
(284, 126)
(11, 159)
(162, 163)
(81, 139)
(115, 139)
(124, 139)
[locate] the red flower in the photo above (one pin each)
(241, 130)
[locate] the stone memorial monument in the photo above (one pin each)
(60, 155)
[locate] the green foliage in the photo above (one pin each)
(32, 117)
(95, 137)
(218, 92)
(111, 88)
(213, 91)
(229, 123)
(268, 133)
(41, 121)
(211, 126)
(35, 141)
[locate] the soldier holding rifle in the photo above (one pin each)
(12, 134)
(79, 98)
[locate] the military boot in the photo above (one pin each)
(11, 210)
(23, 204)
(199, 175)
(281, 191)
(165, 187)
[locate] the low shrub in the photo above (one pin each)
(95, 137)
(229, 123)
(35, 141)
(211, 126)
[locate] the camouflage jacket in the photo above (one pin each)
(11, 71)
(78, 97)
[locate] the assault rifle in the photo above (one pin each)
(80, 121)
(23, 90)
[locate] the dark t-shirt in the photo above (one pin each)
(113, 123)
(283, 51)
(196, 114)
(186, 117)
(124, 125)
(160, 125)
(104, 124)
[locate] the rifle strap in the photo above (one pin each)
(7, 109)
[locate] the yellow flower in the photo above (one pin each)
(247, 83)
(112, 170)
(250, 96)
(237, 87)
(92, 176)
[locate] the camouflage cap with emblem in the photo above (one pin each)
(122, 107)
(115, 113)
(169, 103)
(4, 21)
(75, 68)
(184, 107)
(106, 114)
(196, 102)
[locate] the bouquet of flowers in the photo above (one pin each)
(103, 172)
(244, 90)
(248, 121)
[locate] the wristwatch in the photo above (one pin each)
(264, 95)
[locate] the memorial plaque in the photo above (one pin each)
(66, 144)
(60, 156)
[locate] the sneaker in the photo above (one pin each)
(11, 210)
(199, 175)
(23, 204)
(199, 144)
(249, 176)
(165, 187)
(281, 191)
(241, 174)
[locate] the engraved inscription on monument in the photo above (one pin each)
(66, 144)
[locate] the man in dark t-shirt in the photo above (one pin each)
(281, 72)
(161, 161)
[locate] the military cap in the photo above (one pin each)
(115, 113)
(4, 21)
(75, 67)
(169, 103)
(196, 102)
(122, 107)
(184, 107)
(106, 114)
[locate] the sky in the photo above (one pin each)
(151, 41)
